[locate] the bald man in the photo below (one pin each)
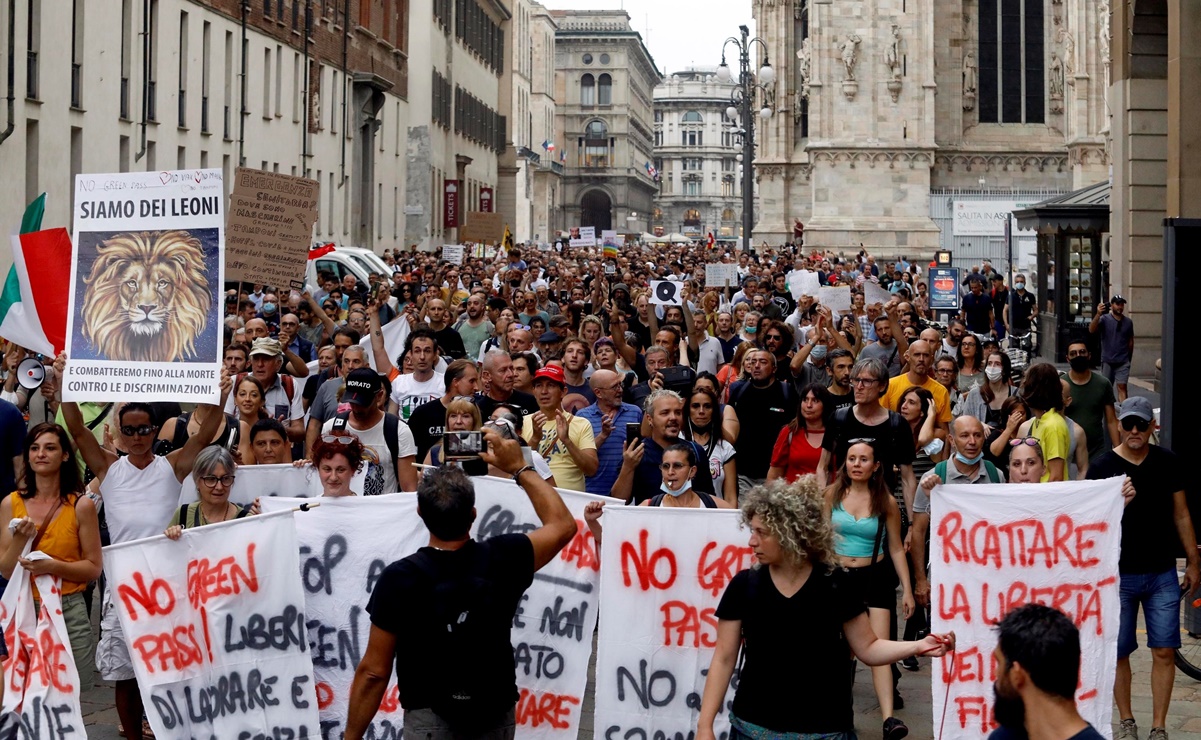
(608, 417)
(920, 357)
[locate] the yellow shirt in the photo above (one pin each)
(567, 473)
(1051, 431)
(898, 385)
(61, 540)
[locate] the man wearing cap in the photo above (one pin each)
(283, 401)
(550, 346)
(565, 440)
(1117, 342)
(364, 394)
(1155, 526)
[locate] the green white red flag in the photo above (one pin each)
(33, 301)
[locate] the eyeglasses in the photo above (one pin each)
(1028, 441)
(1130, 423)
(864, 381)
(144, 430)
(945, 369)
(341, 439)
(212, 480)
(672, 466)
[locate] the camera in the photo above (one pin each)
(463, 445)
(678, 378)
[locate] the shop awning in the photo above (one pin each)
(1079, 210)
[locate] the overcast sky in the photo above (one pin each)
(679, 33)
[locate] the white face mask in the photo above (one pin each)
(683, 489)
(992, 373)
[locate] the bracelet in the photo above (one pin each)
(519, 472)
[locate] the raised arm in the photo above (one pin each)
(383, 363)
(181, 460)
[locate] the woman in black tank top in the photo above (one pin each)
(678, 469)
(232, 436)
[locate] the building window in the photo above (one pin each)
(587, 59)
(604, 95)
(692, 217)
(658, 116)
(587, 90)
(596, 145)
(691, 138)
(658, 138)
(1011, 86)
(727, 191)
(692, 117)
(728, 215)
(604, 58)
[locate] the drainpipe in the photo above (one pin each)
(242, 112)
(308, 103)
(12, 53)
(345, 79)
(145, 77)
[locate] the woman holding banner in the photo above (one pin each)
(798, 623)
(61, 521)
(213, 472)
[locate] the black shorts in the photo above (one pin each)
(875, 584)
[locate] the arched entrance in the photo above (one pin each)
(596, 210)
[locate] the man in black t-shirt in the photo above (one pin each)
(496, 386)
(1155, 525)
(454, 659)
(429, 419)
(764, 405)
(1024, 308)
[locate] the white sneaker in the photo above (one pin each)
(1127, 730)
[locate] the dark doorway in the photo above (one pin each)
(596, 210)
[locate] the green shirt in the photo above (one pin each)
(1087, 409)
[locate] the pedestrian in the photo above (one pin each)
(705, 428)
(1092, 405)
(798, 447)
(1043, 394)
(1117, 342)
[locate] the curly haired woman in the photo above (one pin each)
(799, 626)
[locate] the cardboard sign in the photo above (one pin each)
(996, 547)
(665, 572)
(583, 236)
(666, 292)
(452, 253)
(721, 275)
(873, 294)
(144, 314)
(482, 228)
(835, 298)
(803, 282)
(219, 613)
(270, 228)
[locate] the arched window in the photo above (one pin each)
(605, 92)
(692, 117)
(728, 215)
(587, 90)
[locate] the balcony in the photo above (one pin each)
(528, 154)
(31, 75)
(76, 85)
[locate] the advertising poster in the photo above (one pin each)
(944, 288)
(144, 321)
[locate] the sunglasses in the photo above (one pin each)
(1130, 423)
(1028, 441)
(341, 439)
(672, 466)
(212, 480)
(144, 430)
(861, 441)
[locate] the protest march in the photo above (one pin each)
(264, 487)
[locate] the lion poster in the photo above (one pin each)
(144, 320)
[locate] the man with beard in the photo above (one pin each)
(1117, 342)
(921, 358)
(1155, 523)
(640, 477)
(576, 356)
(1038, 668)
(1092, 400)
(474, 328)
(890, 345)
(383, 432)
(839, 362)
(429, 419)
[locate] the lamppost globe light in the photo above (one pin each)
(765, 112)
(738, 157)
(767, 75)
(723, 72)
(732, 113)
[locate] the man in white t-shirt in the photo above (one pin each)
(367, 421)
(423, 384)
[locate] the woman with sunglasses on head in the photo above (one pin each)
(336, 456)
(867, 541)
(214, 474)
(705, 428)
(1026, 464)
(62, 522)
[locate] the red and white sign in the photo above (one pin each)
(450, 204)
(486, 200)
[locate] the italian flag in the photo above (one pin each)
(33, 303)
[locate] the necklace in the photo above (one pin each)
(205, 520)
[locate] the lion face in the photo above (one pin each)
(147, 297)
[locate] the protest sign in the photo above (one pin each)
(482, 227)
(144, 322)
(835, 298)
(216, 628)
(803, 282)
(394, 334)
(271, 481)
(873, 294)
(583, 236)
(666, 292)
(720, 275)
(609, 243)
(552, 631)
(994, 548)
(452, 253)
(270, 228)
(665, 572)
(41, 681)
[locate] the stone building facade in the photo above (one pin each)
(604, 84)
(696, 157)
(881, 105)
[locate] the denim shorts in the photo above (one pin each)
(1159, 593)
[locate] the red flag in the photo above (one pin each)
(321, 251)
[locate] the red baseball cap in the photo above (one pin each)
(553, 373)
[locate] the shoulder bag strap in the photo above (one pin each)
(46, 524)
(91, 425)
(879, 543)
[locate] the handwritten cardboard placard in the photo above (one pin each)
(873, 293)
(721, 275)
(482, 227)
(41, 681)
(665, 572)
(216, 628)
(552, 631)
(270, 227)
(835, 298)
(452, 253)
(803, 282)
(996, 547)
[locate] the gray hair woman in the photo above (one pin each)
(214, 473)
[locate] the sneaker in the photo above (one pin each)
(1127, 730)
(898, 701)
(911, 664)
(1158, 733)
(894, 729)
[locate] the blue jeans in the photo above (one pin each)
(1159, 594)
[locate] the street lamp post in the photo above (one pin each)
(742, 102)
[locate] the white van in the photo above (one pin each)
(343, 261)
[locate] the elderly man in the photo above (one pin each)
(497, 378)
(565, 440)
(283, 401)
(608, 416)
(640, 477)
(293, 364)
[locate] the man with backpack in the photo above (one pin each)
(283, 402)
(385, 434)
(454, 659)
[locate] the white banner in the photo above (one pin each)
(216, 627)
(983, 217)
(41, 682)
(665, 572)
(271, 481)
(873, 294)
(803, 282)
(836, 298)
(552, 631)
(452, 253)
(994, 548)
(720, 275)
(144, 316)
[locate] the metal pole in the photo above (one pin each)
(748, 142)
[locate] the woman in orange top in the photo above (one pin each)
(61, 521)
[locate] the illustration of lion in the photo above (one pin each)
(147, 297)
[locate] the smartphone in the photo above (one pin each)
(463, 445)
(633, 432)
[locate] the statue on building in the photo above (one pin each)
(1055, 77)
(849, 52)
(1103, 38)
(316, 110)
(969, 81)
(892, 57)
(1066, 38)
(804, 57)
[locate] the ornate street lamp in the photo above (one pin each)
(741, 110)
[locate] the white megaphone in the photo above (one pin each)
(31, 373)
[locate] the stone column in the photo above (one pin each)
(1184, 109)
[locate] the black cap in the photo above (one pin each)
(1118, 299)
(361, 386)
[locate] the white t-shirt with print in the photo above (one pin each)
(409, 393)
(373, 437)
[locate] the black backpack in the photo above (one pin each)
(374, 483)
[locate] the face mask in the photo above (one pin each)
(751, 329)
(683, 489)
(992, 373)
(969, 460)
(1079, 364)
(268, 307)
(1020, 286)
(818, 352)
